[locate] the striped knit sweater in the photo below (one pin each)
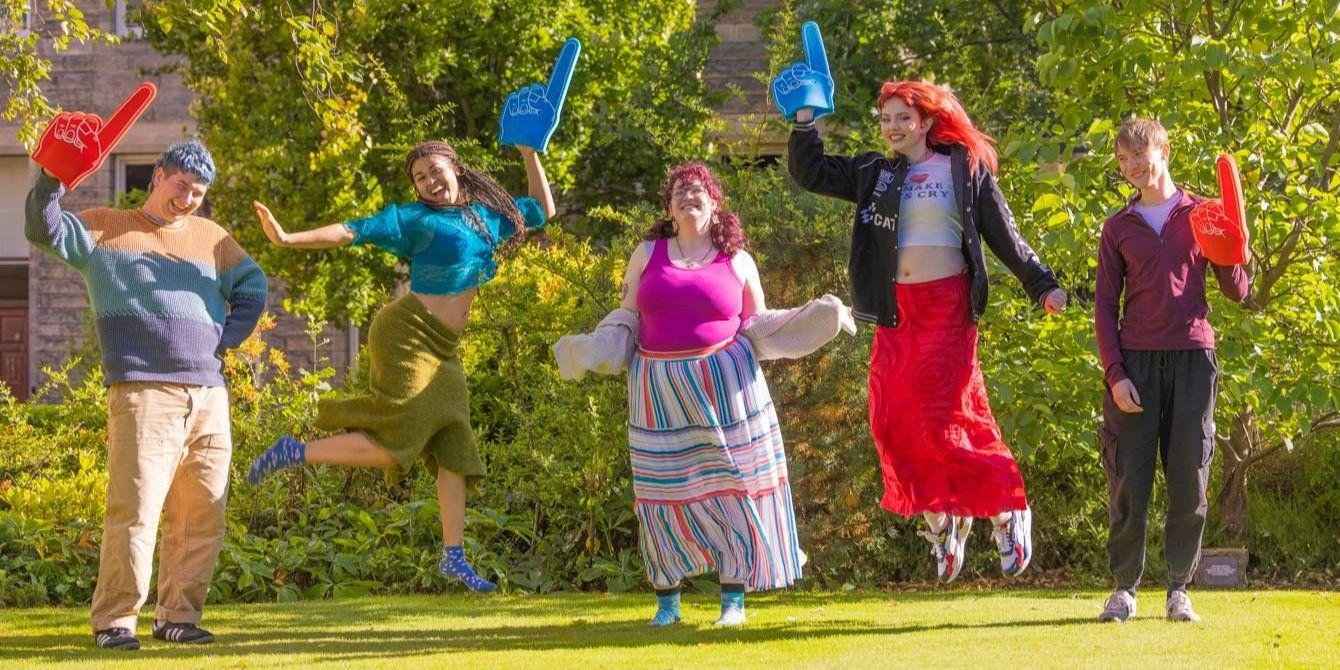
(166, 300)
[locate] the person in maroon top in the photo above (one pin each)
(1157, 351)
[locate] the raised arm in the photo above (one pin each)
(811, 168)
(57, 232)
(325, 237)
(537, 183)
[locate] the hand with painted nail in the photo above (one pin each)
(75, 144)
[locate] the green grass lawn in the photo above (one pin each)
(851, 631)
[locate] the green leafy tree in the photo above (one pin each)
(28, 38)
(1259, 79)
(312, 112)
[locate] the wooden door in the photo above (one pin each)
(14, 349)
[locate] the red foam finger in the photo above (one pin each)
(125, 116)
(1230, 189)
(1221, 241)
(89, 125)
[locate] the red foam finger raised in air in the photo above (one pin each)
(75, 144)
(1220, 239)
(125, 116)
(1230, 190)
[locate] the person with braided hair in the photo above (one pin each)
(417, 405)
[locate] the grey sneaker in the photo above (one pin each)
(1120, 606)
(1178, 607)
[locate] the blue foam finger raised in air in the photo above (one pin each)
(815, 54)
(562, 75)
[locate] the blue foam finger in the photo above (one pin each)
(530, 115)
(561, 76)
(808, 83)
(815, 54)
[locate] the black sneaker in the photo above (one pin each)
(116, 638)
(185, 633)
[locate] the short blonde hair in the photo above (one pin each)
(1138, 133)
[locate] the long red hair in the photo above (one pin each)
(726, 231)
(951, 124)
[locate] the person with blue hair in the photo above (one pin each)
(190, 156)
(170, 293)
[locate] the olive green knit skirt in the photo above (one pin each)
(417, 403)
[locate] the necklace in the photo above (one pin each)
(684, 257)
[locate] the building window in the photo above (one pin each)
(125, 14)
(24, 23)
(133, 174)
(13, 281)
(15, 178)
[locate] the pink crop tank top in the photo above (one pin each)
(684, 309)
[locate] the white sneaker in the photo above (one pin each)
(1178, 607)
(731, 617)
(1120, 606)
(1014, 541)
(948, 545)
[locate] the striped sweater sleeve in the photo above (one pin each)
(245, 287)
(56, 232)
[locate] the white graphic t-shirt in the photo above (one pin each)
(928, 215)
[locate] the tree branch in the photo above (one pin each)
(1328, 421)
(1325, 169)
(1272, 274)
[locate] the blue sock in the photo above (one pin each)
(286, 452)
(667, 609)
(732, 600)
(453, 564)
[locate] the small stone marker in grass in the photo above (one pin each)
(1222, 567)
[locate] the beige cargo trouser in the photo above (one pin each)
(169, 448)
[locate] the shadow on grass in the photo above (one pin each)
(348, 632)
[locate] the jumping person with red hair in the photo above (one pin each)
(918, 271)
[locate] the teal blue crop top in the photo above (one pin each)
(446, 253)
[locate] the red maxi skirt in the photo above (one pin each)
(940, 449)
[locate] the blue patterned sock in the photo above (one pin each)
(286, 452)
(453, 564)
(732, 600)
(667, 610)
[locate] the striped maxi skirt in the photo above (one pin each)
(709, 469)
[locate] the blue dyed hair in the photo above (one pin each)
(188, 156)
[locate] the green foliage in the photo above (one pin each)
(555, 512)
(313, 113)
(1259, 81)
(27, 40)
(983, 52)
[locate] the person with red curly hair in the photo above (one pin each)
(924, 212)
(709, 469)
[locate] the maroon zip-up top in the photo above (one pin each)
(1163, 278)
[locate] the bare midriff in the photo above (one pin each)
(917, 265)
(453, 310)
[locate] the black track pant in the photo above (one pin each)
(1177, 390)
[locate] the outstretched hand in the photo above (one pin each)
(75, 144)
(530, 115)
(807, 83)
(271, 226)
